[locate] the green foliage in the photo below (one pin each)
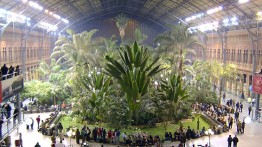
(133, 72)
(176, 43)
(39, 90)
(174, 95)
(91, 103)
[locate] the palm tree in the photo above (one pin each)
(121, 23)
(177, 41)
(77, 50)
(133, 72)
(220, 71)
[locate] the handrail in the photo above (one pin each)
(4, 77)
(8, 126)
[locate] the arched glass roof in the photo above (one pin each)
(160, 12)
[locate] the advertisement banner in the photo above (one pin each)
(12, 86)
(1, 99)
(257, 84)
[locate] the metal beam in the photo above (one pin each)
(110, 11)
(74, 7)
(174, 10)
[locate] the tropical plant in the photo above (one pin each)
(95, 94)
(77, 50)
(133, 72)
(174, 93)
(140, 37)
(222, 72)
(178, 41)
(121, 23)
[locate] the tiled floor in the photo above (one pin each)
(252, 136)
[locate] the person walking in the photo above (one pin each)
(249, 109)
(229, 141)
(235, 141)
(243, 127)
(38, 121)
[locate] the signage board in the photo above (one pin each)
(10, 87)
(257, 84)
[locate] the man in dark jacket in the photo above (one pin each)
(229, 140)
(4, 71)
(235, 141)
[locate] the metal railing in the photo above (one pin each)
(9, 125)
(9, 76)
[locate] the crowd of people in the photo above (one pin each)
(7, 73)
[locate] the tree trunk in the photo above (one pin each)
(181, 61)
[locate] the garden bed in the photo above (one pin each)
(158, 130)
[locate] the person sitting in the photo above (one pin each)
(202, 133)
(166, 136)
(193, 134)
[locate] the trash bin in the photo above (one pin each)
(8, 140)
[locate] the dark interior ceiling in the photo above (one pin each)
(157, 12)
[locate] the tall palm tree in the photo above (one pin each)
(177, 41)
(77, 50)
(121, 23)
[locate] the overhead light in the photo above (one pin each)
(24, 1)
(65, 20)
(35, 5)
(47, 26)
(243, 1)
(230, 21)
(57, 16)
(225, 20)
(214, 10)
(199, 15)
(51, 13)
(46, 11)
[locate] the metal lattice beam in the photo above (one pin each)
(74, 8)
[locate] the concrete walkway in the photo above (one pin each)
(251, 137)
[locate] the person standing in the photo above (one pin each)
(77, 136)
(249, 109)
(8, 110)
(239, 127)
(241, 107)
(224, 97)
(20, 139)
(61, 136)
(4, 71)
(229, 141)
(16, 111)
(38, 121)
(32, 124)
(243, 127)
(235, 141)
